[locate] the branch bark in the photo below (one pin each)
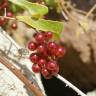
(17, 73)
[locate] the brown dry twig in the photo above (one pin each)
(17, 73)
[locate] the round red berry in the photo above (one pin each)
(41, 48)
(60, 51)
(41, 62)
(34, 58)
(32, 46)
(2, 21)
(36, 68)
(4, 5)
(48, 35)
(14, 26)
(55, 71)
(52, 45)
(39, 37)
(51, 65)
(9, 14)
(46, 74)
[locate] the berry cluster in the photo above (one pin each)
(4, 4)
(45, 54)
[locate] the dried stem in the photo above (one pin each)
(8, 17)
(90, 11)
(15, 71)
(70, 16)
(79, 92)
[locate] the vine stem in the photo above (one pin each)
(8, 17)
(17, 73)
(90, 11)
(79, 92)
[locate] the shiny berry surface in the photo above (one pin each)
(41, 62)
(46, 73)
(9, 14)
(60, 51)
(36, 68)
(14, 26)
(39, 37)
(51, 65)
(48, 35)
(55, 71)
(34, 58)
(41, 48)
(51, 45)
(32, 46)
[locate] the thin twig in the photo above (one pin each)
(90, 11)
(17, 73)
(66, 11)
(70, 16)
(79, 92)
(5, 16)
(8, 17)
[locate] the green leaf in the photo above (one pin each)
(16, 8)
(50, 3)
(44, 25)
(35, 9)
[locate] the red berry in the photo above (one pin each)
(34, 58)
(46, 74)
(2, 21)
(39, 37)
(52, 45)
(41, 62)
(55, 71)
(32, 46)
(36, 68)
(60, 51)
(14, 26)
(51, 65)
(9, 14)
(48, 35)
(5, 4)
(41, 48)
